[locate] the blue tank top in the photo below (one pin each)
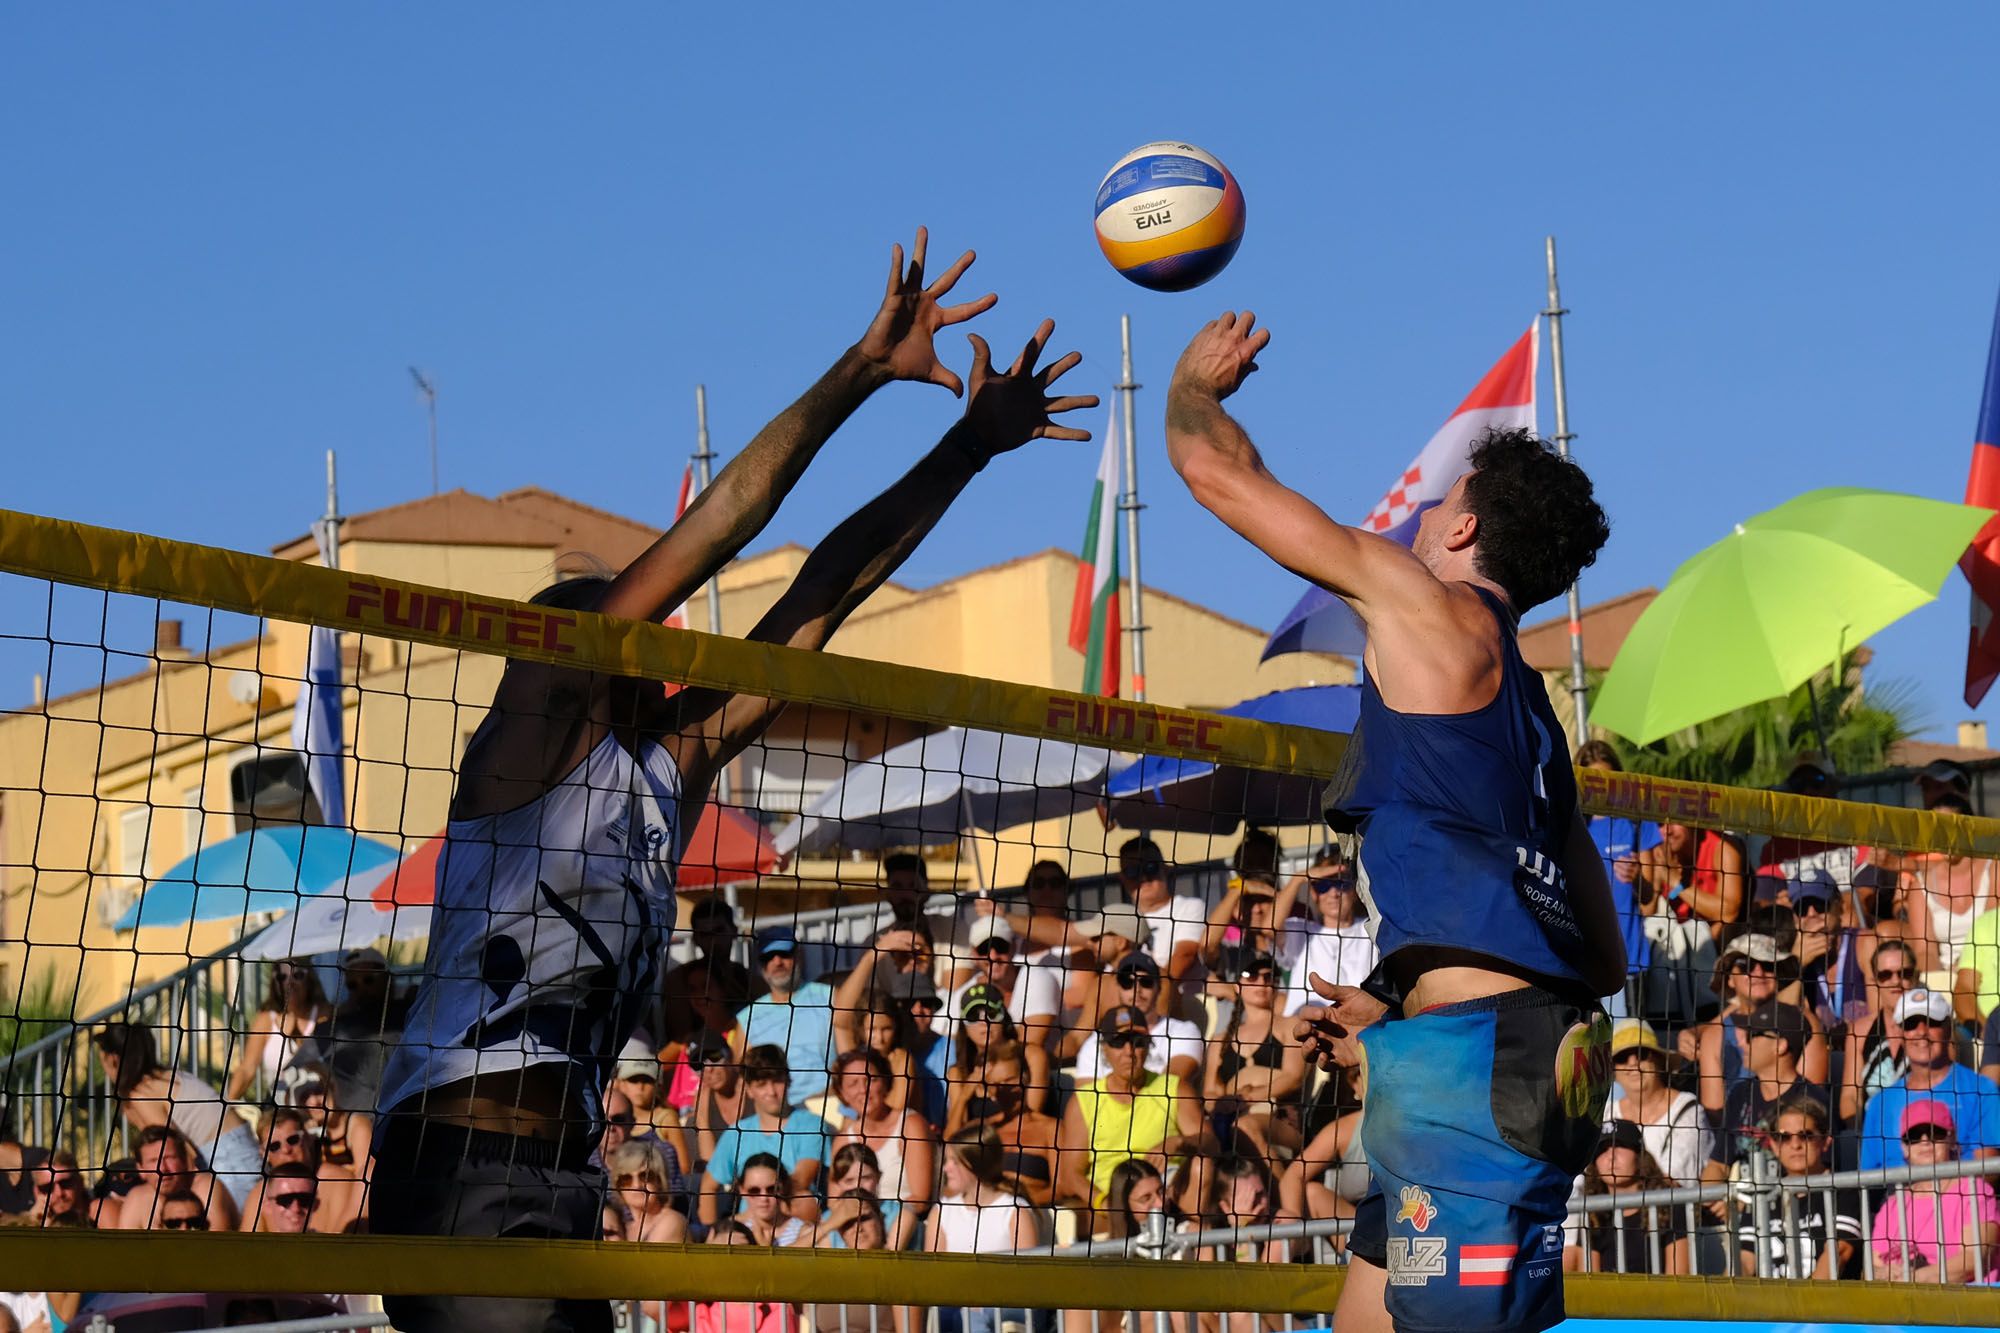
(1464, 819)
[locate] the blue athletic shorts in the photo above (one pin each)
(1479, 1118)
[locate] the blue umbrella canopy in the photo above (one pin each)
(264, 870)
(1188, 795)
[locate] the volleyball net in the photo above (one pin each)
(959, 994)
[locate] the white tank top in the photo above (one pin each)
(967, 1228)
(548, 929)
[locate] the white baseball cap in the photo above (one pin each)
(1934, 1005)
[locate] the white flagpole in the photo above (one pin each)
(1578, 688)
(1129, 502)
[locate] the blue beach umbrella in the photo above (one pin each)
(264, 870)
(1189, 796)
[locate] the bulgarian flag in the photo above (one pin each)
(1094, 625)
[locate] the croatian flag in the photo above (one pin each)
(1321, 622)
(1981, 561)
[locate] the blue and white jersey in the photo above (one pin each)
(1464, 819)
(548, 931)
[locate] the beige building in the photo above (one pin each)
(101, 788)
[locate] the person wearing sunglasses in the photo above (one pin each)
(793, 1014)
(289, 1141)
(1176, 924)
(1032, 995)
(1754, 970)
(1937, 1231)
(287, 1200)
(903, 1142)
(1044, 928)
(1336, 945)
(1873, 1043)
(1671, 1122)
(1255, 1064)
(182, 1212)
(1176, 1045)
(1130, 1112)
(1105, 938)
(62, 1199)
(1829, 1242)
(1933, 1074)
(645, 1189)
(775, 1126)
(1774, 1037)
(295, 1008)
(167, 1165)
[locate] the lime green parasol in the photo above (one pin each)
(1782, 597)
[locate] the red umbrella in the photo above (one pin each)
(727, 846)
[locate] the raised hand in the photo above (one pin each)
(899, 339)
(1010, 407)
(1221, 356)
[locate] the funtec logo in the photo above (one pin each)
(1113, 720)
(458, 617)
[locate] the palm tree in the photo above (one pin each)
(1755, 746)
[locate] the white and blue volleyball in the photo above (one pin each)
(1169, 216)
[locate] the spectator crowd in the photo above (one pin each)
(1018, 1072)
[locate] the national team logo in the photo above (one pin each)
(1583, 1068)
(1413, 1262)
(1416, 1209)
(1552, 1240)
(1484, 1265)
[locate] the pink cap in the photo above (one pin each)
(1929, 1111)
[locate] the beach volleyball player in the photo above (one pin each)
(1486, 1050)
(555, 888)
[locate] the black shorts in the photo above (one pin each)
(445, 1180)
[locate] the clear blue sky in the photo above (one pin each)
(231, 227)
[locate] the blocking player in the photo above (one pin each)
(1490, 908)
(555, 890)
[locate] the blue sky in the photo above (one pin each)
(231, 227)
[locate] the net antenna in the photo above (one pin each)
(427, 390)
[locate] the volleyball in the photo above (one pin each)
(1169, 216)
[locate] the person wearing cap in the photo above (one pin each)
(1828, 1243)
(793, 1014)
(1043, 929)
(1933, 1073)
(1337, 947)
(1785, 856)
(775, 1125)
(1774, 1037)
(1256, 1063)
(1130, 1112)
(1623, 1239)
(1176, 1047)
(1105, 939)
(1827, 950)
(637, 1076)
(1937, 1231)
(983, 1022)
(1176, 924)
(1753, 971)
(1033, 995)
(1671, 1122)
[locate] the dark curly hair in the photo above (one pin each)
(1539, 524)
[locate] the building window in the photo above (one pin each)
(191, 814)
(134, 826)
(270, 788)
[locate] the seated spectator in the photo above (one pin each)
(855, 1170)
(1699, 872)
(794, 1015)
(367, 1022)
(1989, 1044)
(286, 1200)
(1942, 1231)
(645, 1192)
(1175, 923)
(742, 1316)
(901, 1139)
(1671, 1123)
(1338, 947)
(984, 1023)
(1624, 1240)
(295, 1008)
(1043, 929)
(1176, 1047)
(853, 1221)
(1774, 1037)
(1130, 1112)
(1873, 1043)
(719, 1100)
(328, 1106)
(1032, 997)
(714, 1021)
(792, 1134)
(1242, 923)
(1753, 972)
(764, 1202)
(1933, 1074)
(976, 1216)
(1256, 1064)
(1136, 1194)
(1829, 1247)
(906, 890)
(712, 983)
(1105, 940)
(888, 1004)
(1824, 946)
(149, 1094)
(684, 1072)
(1243, 1195)
(166, 1166)
(998, 1099)
(637, 1075)
(339, 1197)
(1944, 893)
(182, 1212)
(62, 1199)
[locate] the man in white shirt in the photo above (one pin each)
(1034, 995)
(1338, 946)
(1176, 925)
(1177, 1047)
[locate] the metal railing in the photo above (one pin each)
(56, 1090)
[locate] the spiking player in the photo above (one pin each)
(576, 795)
(1487, 1081)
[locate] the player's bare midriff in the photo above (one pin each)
(1429, 977)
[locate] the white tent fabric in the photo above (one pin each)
(345, 917)
(929, 791)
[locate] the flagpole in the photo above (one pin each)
(1129, 502)
(1578, 688)
(332, 519)
(703, 457)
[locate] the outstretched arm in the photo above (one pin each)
(1227, 476)
(1004, 411)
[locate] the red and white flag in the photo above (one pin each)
(1981, 561)
(679, 618)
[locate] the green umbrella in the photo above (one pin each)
(1779, 599)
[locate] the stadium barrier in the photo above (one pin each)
(158, 573)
